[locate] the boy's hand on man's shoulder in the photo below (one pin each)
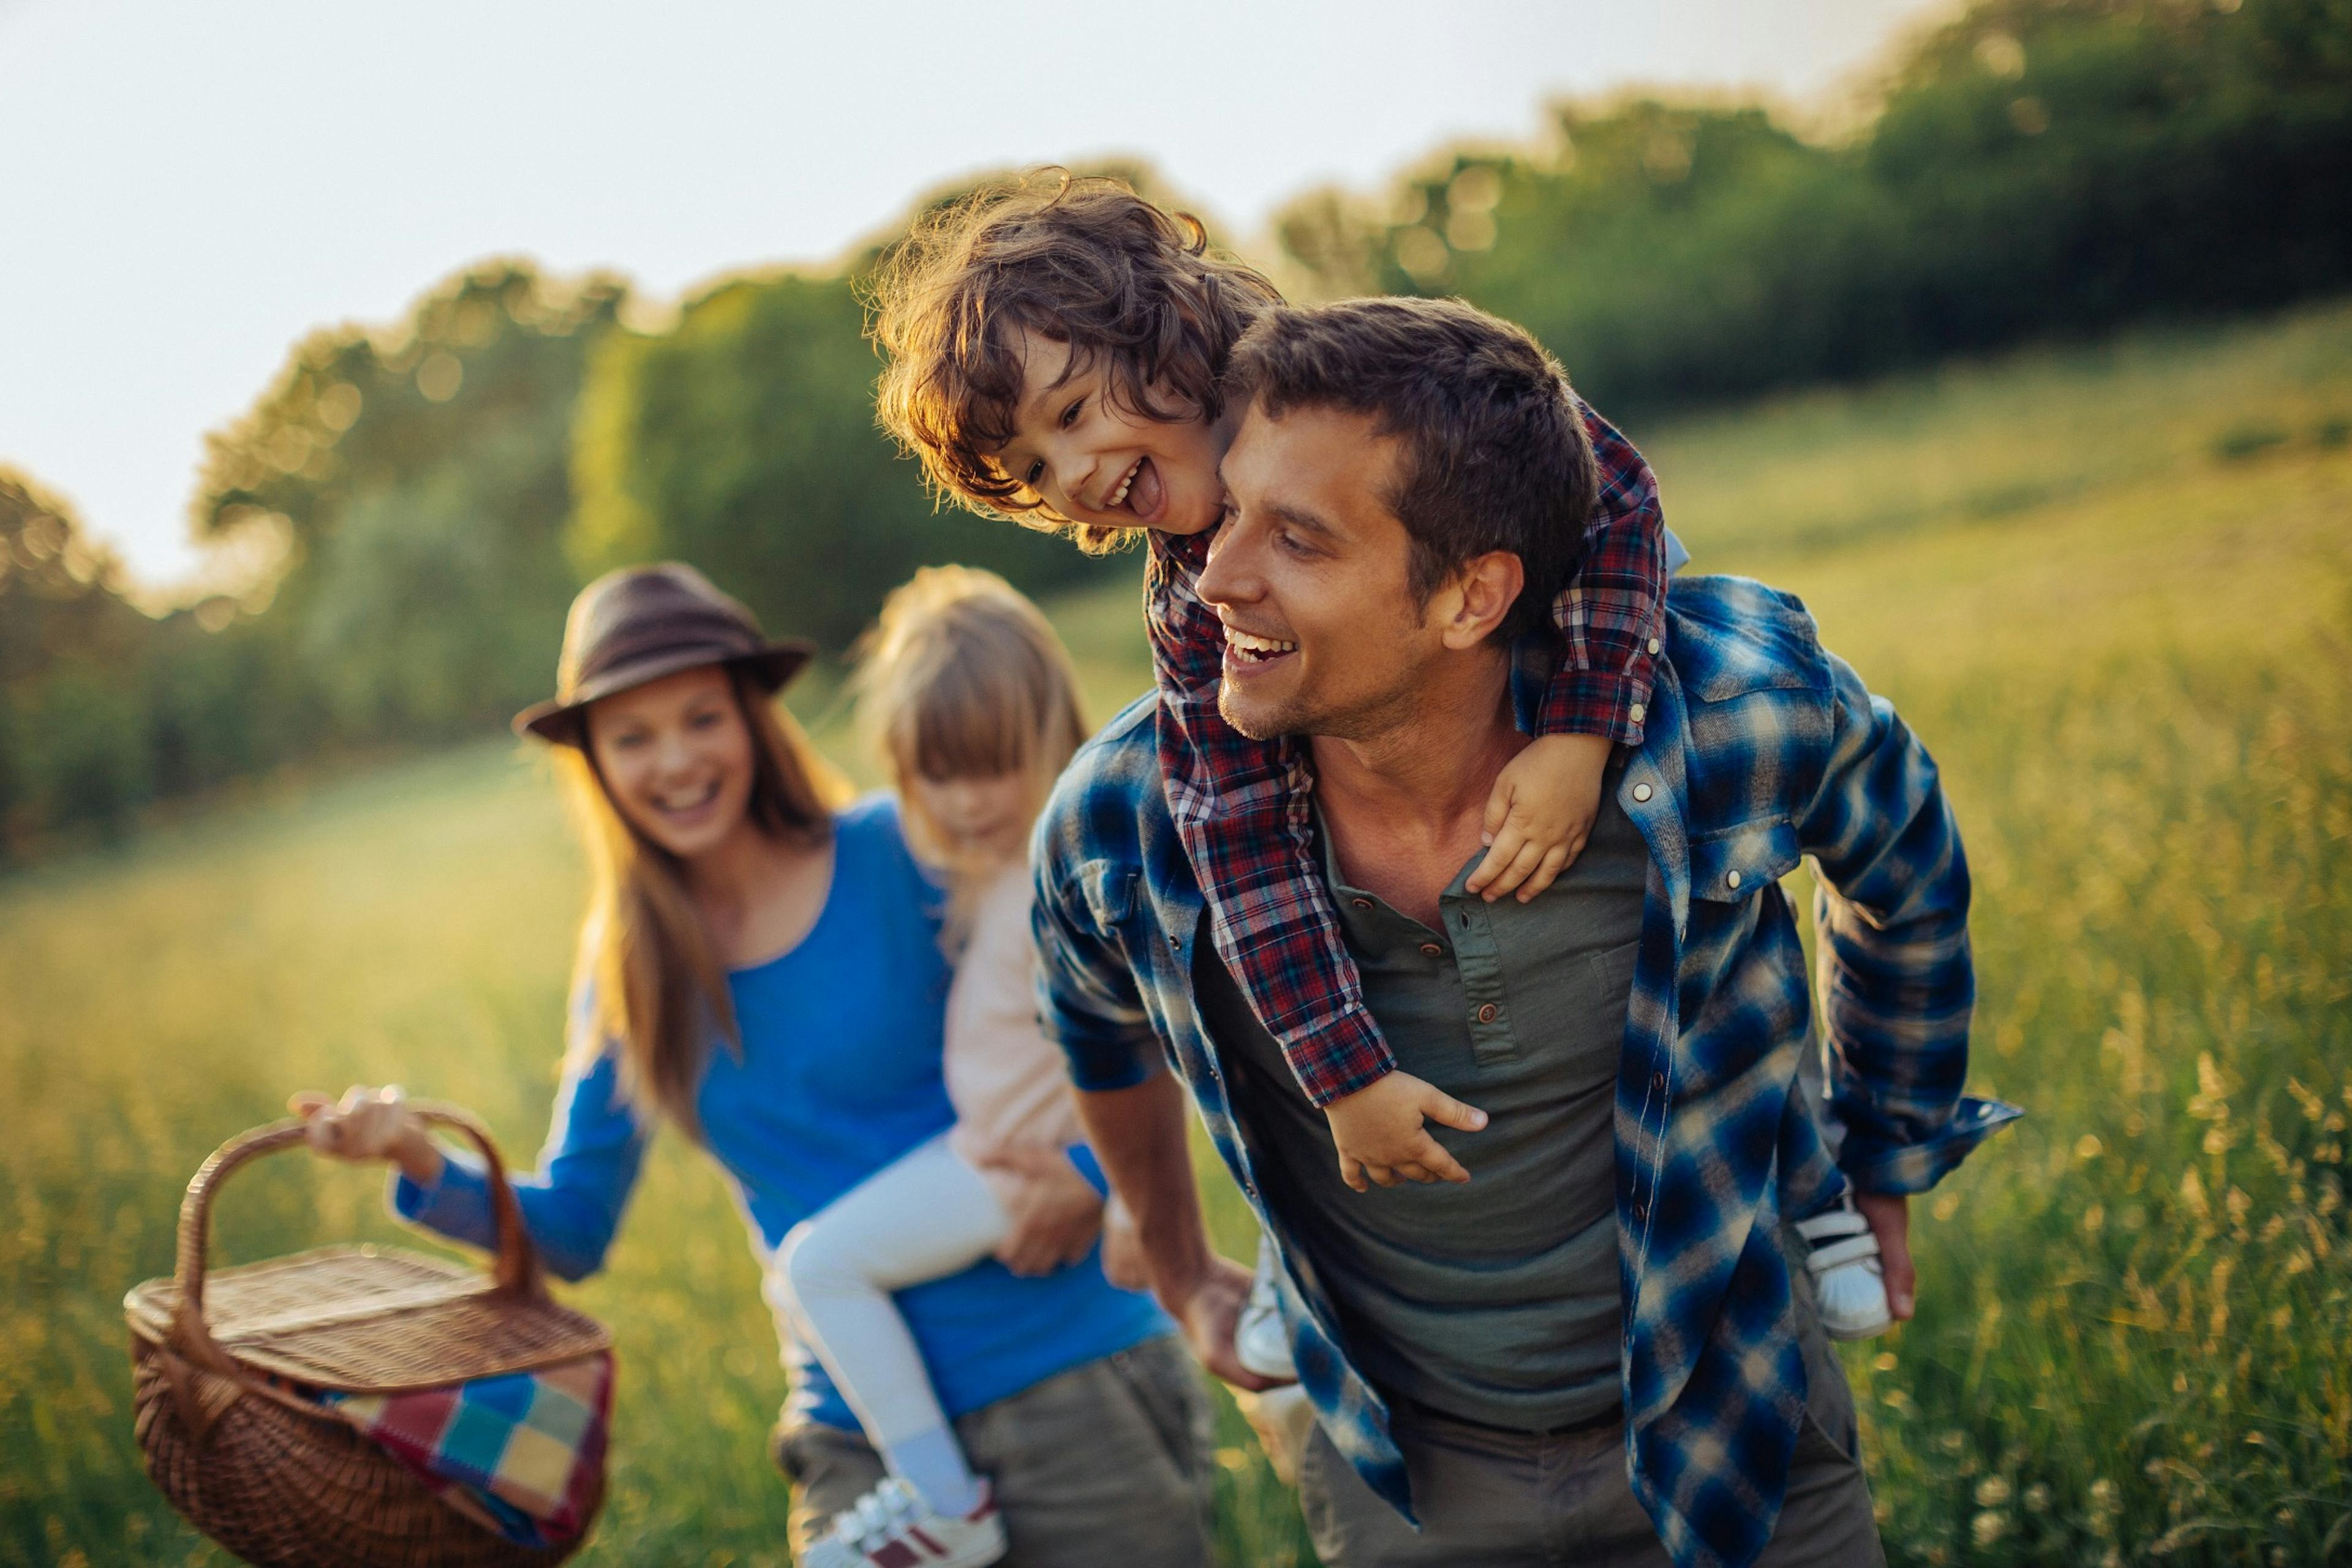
(1542, 809)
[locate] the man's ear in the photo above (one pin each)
(1480, 597)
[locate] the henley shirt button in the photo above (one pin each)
(1641, 792)
(1487, 1013)
(1731, 879)
(1361, 903)
(1641, 1212)
(1431, 950)
(1658, 1083)
(1655, 645)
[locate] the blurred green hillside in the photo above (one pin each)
(2029, 169)
(399, 519)
(2111, 587)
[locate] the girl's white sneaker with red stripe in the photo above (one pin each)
(893, 1527)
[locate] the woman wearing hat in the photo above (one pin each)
(761, 965)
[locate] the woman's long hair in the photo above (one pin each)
(659, 988)
(963, 677)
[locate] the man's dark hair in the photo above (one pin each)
(1496, 455)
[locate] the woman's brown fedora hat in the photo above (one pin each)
(642, 623)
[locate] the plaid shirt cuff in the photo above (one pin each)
(1334, 1057)
(1596, 702)
(1874, 1166)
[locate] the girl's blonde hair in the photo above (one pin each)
(963, 677)
(660, 990)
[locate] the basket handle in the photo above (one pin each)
(515, 1271)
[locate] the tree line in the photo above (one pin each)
(2034, 168)
(404, 511)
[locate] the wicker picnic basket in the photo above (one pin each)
(279, 1480)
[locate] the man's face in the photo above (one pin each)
(1094, 462)
(1311, 576)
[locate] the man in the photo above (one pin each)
(1498, 1393)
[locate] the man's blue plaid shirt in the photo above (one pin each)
(1761, 748)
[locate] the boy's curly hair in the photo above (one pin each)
(1080, 260)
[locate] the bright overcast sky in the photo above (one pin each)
(185, 189)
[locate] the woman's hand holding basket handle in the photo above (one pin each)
(248, 1434)
(369, 1124)
(366, 1125)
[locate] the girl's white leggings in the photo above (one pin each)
(927, 1216)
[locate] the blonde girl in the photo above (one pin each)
(969, 700)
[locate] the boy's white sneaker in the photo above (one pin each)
(1261, 1343)
(1282, 1416)
(893, 1527)
(1850, 1287)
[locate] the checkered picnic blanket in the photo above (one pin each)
(519, 1454)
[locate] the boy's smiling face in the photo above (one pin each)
(1091, 460)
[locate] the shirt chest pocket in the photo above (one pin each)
(1112, 892)
(1734, 865)
(1108, 890)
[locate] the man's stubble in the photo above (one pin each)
(1369, 718)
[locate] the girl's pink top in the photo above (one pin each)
(1009, 1082)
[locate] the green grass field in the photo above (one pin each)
(2111, 588)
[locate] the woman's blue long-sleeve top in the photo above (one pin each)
(839, 1075)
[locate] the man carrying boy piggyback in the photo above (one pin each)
(1385, 483)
